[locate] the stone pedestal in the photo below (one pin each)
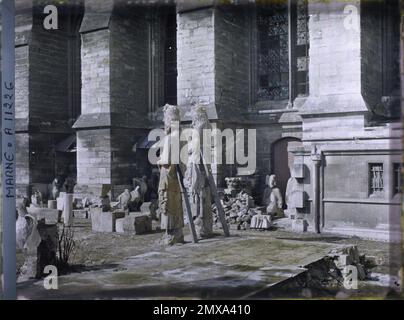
(68, 210)
(136, 223)
(82, 214)
(149, 208)
(299, 225)
(104, 221)
(60, 201)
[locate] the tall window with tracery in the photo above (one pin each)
(282, 51)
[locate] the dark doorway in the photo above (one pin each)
(281, 161)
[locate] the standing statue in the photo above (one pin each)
(169, 192)
(195, 180)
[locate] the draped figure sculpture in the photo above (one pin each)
(195, 180)
(169, 192)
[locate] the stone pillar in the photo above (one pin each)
(68, 210)
(316, 158)
(114, 58)
(335, 71)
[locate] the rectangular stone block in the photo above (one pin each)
(299, 225)
(82, 214)
(104, 221)
(296, 199)
(137, 223)
(149, 208)
(60, 201)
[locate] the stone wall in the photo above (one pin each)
(196, 58)
(129, 50)
(94, 156)
(232, 60)
(43, 99)
(335, 59)
(371, 50)
(95, 72)
(115, 93)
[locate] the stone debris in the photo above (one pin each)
(238, 210)
(349, 256)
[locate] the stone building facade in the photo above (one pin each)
(319, 81)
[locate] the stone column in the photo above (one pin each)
(316, 158)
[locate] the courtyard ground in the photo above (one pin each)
(249, 264)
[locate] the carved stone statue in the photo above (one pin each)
(275, 201)
(136, 199)
(28, 239)
(55, 188)
(291, 188)
(195, 180)
(36, 198)
(123, 199)
(169, 192)
(23, 229)
(143, 187)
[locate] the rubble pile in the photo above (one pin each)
(238, 210)
(349, 256)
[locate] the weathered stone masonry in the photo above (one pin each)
(343, 129)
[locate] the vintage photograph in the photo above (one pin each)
(201, 149)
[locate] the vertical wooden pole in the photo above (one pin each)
(8, 148)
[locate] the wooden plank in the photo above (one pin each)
(187, 205)
(218, 203)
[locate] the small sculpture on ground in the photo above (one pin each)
(291, 188)
(28, 239)
(275, 201)
(195, 180)
(36, 198)
(143, 187)
(123, 200)
(136, 199)
(55, 188)
(169, 191)
(23, 229)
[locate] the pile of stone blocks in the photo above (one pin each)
(134, 223)
(104, 221)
